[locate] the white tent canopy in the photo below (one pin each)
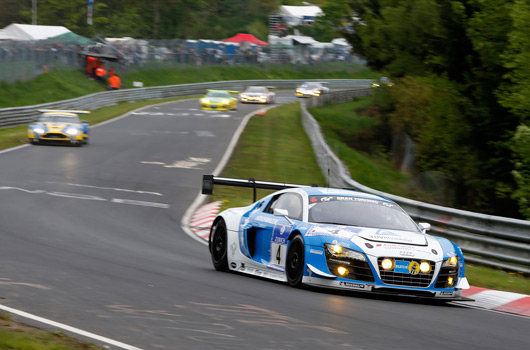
(33, 32)
(295, 15)
(4, 36)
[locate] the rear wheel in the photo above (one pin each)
(218, 247)
(294, 267)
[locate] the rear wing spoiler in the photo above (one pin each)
(64, 111)
(208, 182)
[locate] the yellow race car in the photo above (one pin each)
(219, 100)
(59, 126)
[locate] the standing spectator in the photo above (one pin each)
(114, 82)
(100, 73)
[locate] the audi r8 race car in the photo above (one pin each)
(336, 238)
(219, 100)
(257, 94)
(59, 126)
(311, 89)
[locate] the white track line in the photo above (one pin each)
(69, 328)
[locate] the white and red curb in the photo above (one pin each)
(513, 303)
(496, 300)
(203, 218)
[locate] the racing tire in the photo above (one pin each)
(295, 262)
(218, 247)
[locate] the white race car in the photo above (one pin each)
(257, 94)
(334, 238)
(311, 89)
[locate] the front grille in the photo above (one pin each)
(357, 270)
(420, 280)
(54, 135)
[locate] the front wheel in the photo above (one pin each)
(294, 267)
(219, 241)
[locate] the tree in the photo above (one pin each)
(460, 42)
(521, 173)
(515, 92)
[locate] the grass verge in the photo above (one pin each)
(63, 85)
(17, 336)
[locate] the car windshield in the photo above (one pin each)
(58, 119)
(218, 94)
(311, 86)
(355, 211)
(256, 89)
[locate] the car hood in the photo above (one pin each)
(216, 99)
(253, 93)
(329, 232)
(56, 126)
(377, 242)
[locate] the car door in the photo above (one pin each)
(267, 233)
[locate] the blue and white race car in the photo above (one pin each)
(60, 127)
(337, 238)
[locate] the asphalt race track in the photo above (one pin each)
(91, 237)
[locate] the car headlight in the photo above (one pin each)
(205, 100)
(72, 131)
(225, 101)
(338, 251)
(425, 267)
(451, 262)
(38, 130)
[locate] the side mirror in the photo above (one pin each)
(280, 212)
(424, 226)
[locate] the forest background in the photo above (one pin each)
(461, 72)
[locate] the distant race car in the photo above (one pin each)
(219, 100)
(59, 126)
(257, 94)
(311, 89)
(384, 81)
(335, 238)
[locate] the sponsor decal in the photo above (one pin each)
(315, 251)
(414, 268)
(276, 267)
(401, 266)
(352, 285)
(446, 293)
(368, 245)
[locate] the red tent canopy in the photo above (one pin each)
(249, 38)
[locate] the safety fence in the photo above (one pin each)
(486, 239)
(17, 116)
(25, 60)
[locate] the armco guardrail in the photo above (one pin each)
(486, 239)
(16, 116)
